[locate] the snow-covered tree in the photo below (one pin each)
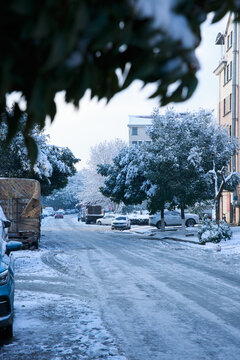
(175, 167)
(102, 153)
(52, 169)
(223, 180)
(99, 45)
(125, 181)
(66, 198)
(190, 142)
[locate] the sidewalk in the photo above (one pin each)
(189, 237)
(170, 233)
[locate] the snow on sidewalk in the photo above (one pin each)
(230, 246)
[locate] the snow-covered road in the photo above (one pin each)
(91, 293)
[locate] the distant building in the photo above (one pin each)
(228, 72)
(138, 126)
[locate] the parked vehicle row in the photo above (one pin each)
(171, 218)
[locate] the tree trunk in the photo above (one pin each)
(183, 218)
(162, 220)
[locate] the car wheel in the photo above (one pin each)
(99, 223)
(8, 333)
(158, 225)
(190, 222)
(112, 227)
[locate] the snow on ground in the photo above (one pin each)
(230, 247)
(42, 305)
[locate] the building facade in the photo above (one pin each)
(137, 127)
(228, 107)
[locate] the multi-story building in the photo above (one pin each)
(138, 126)
(228, 72)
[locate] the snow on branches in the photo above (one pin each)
(175, 167)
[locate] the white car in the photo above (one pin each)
(48, 211)
(121, 222)
(173, 217)
(105, 220)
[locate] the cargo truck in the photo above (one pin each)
(20, 200)
(92, 213)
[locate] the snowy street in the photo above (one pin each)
(92, 293)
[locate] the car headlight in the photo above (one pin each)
(4, 276)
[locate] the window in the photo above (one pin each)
(227, 105)
(134, 131)
(134, 142)
(227, 72)
(229, 40)
(140, 143)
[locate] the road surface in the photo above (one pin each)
(152, 300)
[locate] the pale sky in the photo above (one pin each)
(95, 121)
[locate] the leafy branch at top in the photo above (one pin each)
(51, 46)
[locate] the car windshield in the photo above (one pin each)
(121, 218)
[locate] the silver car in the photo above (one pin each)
(173, 217)
(105, 220)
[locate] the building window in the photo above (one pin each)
(134, 131)
(134, 142)
(140, 143)
(227, 73)
(227, 105)
(229, 40)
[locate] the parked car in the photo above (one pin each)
(47, 211)
(173, 217)
(7, 281)
(61, 211)
(121, 222)
(105, 220)
(58, 215)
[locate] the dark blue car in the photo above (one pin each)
(6, 283)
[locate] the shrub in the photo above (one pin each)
(211, 232)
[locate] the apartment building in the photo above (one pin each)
(228, 108)
(137, 128)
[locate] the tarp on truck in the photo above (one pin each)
(21, 203)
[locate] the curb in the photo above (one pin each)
(168, 238)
